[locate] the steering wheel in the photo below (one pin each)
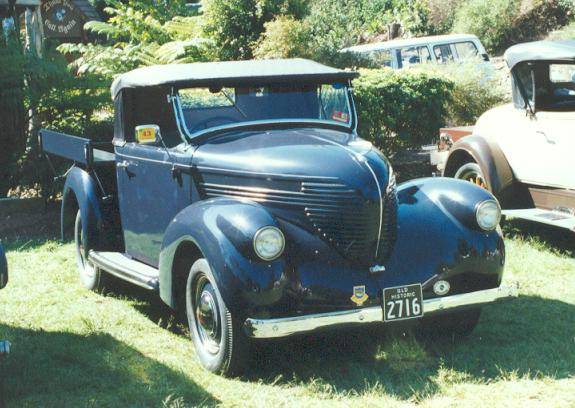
(205, 124)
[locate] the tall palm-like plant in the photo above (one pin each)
(134, 38)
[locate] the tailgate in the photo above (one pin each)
(77, 149)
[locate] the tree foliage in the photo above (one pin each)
(332, 25)
(135, 38)
(284, 37)
(236, 25)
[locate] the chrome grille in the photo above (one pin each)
(351, 223)
(338, 214)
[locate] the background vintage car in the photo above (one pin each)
(402, 53)
(522, 151)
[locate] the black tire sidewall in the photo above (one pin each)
(223, 361)
(90, 282)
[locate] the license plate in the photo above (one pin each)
(402, 302)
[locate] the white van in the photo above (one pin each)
(402, 53)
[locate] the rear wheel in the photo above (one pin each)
(472, 172)
(454, 326)
(220, 343)
(91, 276)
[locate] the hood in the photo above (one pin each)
(326, 181)
(300, 153)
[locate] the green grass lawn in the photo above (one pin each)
(71, 347)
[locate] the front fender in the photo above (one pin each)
(82, 185)
(223, 229)
(437, 239)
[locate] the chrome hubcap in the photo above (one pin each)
(207, 316)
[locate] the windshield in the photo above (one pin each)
(561, 87)
(201, 109)
(547, 86)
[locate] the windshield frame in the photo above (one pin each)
(535, 105)
(191, 137)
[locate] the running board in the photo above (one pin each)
(127, 269)
(555, 218)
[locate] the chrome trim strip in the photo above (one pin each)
(270, 328)
(294, 177)
(127, 156)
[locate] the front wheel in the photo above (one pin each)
(220, 344)
(452, 326)
(472, 172)
(91, 276)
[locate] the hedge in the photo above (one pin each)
(399, 109)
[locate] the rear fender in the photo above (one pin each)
(223, 230)
(487, 155)
(83, 188)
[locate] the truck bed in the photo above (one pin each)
(77, 149)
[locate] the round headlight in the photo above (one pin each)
(488, 215)
(269, 243)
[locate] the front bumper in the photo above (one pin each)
(270, 328)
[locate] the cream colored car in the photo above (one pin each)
(524, 152)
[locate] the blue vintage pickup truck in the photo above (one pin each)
(242, 193)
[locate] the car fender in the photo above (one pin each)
(438, 235)
(223, 230)
(489, 156)
(84, 187)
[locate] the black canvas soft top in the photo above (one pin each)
(540, 51)
(230, 73)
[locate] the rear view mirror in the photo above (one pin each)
(3, 268)
(148, 134)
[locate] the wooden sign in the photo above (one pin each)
(61, 19)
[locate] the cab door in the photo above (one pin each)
(149, 197)
(556, 132)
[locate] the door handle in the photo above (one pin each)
(549, 140)
(123, 164)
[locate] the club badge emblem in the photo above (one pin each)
(359, 296)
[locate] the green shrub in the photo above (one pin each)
(284, 37)
(399, 109)
(541, 18)
(491, 21)
(442, 15)
(236, 25)
(567, 33)
(334, 24)
(477, 87)
(502, 23)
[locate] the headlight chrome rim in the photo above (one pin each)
(481, 206)
(258, 235)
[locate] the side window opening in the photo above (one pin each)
(413, 55)
(381, 58)
(443, 53)
(466, 50)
